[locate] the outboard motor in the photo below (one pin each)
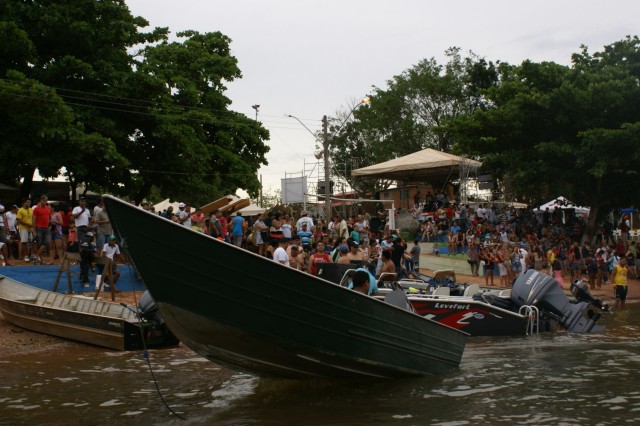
(155, 330)
(580, 290)
(537, 289)
(149, 310)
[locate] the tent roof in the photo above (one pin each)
(251, 210)
(562, 203)
(421, 164)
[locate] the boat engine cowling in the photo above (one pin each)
(580, 291)
(534, 288)
(149, 310)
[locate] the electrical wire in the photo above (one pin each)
(145, 353)
(152, 105)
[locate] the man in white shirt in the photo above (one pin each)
(81, 214)
(343, 229)
(304, 218)
(12, 231)
(111, 251)
(184, 215)
(280, 254)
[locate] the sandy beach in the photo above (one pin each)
(14, 339)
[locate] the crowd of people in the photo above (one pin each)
(498, 242)
(502, 241)
(44, 233)
(305, 242)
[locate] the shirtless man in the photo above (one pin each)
(387, 264)
(296, 258)
(354, 252)
(342, 252)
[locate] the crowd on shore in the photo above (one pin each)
(501, 240)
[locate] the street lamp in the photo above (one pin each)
(326, 144)
(256, 107)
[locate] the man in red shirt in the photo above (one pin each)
(41, 223)
(318, 258)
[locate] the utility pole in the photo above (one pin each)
(327, 170)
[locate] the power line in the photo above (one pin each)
(151, 106)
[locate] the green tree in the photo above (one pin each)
(188, 144)
(118, 109)
(555, 130)
(407, 116)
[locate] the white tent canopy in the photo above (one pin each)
(563, 204)
(163, 205)
(251, 210)
(421, 164)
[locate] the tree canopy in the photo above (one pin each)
(407, 115)
(83, 90)
(570, 130)
(542, 129)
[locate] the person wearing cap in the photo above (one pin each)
(238, 225)
(280, 254)
(304, 218)
(318, 258)
(81, 216)
(354, 254)
(296, 257)
(342, 254)
(184, 215)
(111, 250)
(305, 237)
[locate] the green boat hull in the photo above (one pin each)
(251, 314)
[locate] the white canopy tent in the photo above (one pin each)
(417, 166)
(163, 205)
(251, 210)
(563, 204)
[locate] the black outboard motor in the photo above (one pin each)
(156, 332)
(534, 288)
(580, 290)
(149, 310)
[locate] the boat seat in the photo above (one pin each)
(399, 299)
(442, 291)
(471, 290)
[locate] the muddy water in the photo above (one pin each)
(549, 379)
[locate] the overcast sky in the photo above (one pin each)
(309, 58)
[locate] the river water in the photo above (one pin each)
(562, 379)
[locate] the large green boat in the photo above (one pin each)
(251, 314)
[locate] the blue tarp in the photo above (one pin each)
(44, 277)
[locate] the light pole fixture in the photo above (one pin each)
(326, 144)
(256, 107)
